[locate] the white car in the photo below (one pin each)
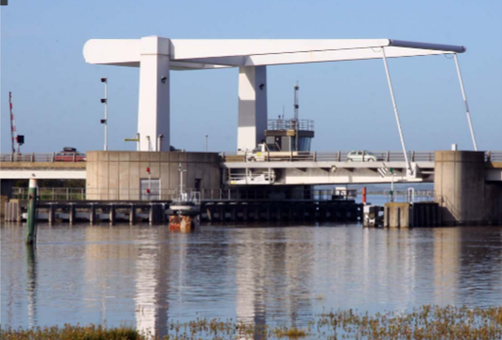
(361, 156)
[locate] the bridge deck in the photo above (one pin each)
(42, 170)
(311, 168)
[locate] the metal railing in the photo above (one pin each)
(343, 156)
(81, 194)
(340, 156)
(493, 156)
(39, 157)
(77, 194)
(290, 124)
(52, 194)
(411, 195)
(316, 156)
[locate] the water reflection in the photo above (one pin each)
(31, 284)
(272, 277)
(446, 264)
(147, 276)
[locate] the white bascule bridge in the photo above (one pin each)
(156, 57)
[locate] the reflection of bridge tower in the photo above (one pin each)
(146, 266)
(297, 254)
(250, 276)
(152, 271)
(116, 257)
(272, 275)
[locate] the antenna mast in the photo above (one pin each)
(13, 133)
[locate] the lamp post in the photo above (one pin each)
(105, 121)
(207, 136)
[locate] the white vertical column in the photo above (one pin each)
(154, 103)
(252, 120)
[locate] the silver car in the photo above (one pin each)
(361, 156)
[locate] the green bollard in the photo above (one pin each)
(31, 221)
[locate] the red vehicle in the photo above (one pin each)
(70, 155)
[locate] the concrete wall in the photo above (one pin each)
(462, 191)
(116, 175)
(397, 215)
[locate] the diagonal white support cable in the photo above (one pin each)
(465, 102)
(408, 165)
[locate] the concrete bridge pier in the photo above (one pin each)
(462, 191)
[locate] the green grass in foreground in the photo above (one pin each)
(426, 322)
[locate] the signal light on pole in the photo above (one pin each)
(104, 100)
(147, 170)
(148, 191)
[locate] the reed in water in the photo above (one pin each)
(425, 322)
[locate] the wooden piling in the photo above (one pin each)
(132, 214)
(31, 222)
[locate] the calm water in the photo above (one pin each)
(147, 276)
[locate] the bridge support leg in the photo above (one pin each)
(252, 121)
(257, 212)
(221, 211)
(233, 212)
(52, 214)
(279, 212)
(92, 215)
(154, 101)
(112, 215)
(245, 212)
(132, 214)
(151, 215)
(72, 214)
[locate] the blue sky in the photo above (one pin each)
(56, 94)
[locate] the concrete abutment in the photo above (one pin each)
(464, 194)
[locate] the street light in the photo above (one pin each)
(105, 101)
(207, 136)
